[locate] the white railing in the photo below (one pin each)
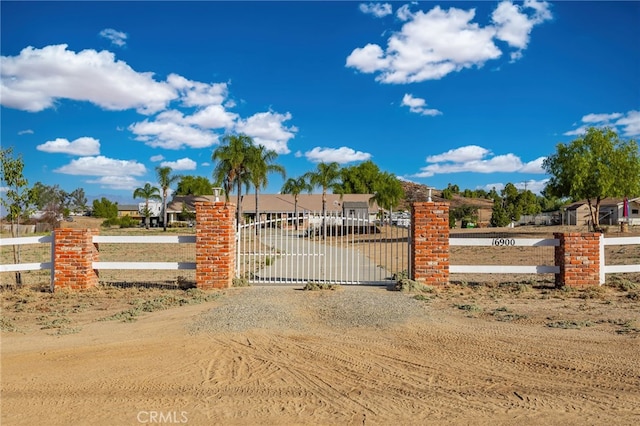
(152, 239)
(48, 239)
(611, 269)
(504, 242)
(33, 266)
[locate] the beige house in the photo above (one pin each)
(611, 212)
(281, 206)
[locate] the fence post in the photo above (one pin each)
(215, 244)
(430, 243)
(74, 254)
(578, 256)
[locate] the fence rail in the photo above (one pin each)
(503, 241)
(149, 239)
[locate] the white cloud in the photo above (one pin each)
(600, 118)
(404, 13)
(102, 166)
(514, 25)
(117, 38)
(627, 124)
(117, 182)
(181, 164)
(459, 155)
(25, 132)
(418, 105)
(197, 94)
(170, 130)
(472, 159)
(534, 166)
(379, 10)
(268, 129)
(630, 124)
(156, 158)
(433, 44)
(340, 155)
(84, 146)
(213, 117)
(35, 79)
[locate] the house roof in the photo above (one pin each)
(127, 207)
(605, 202)
(279, 203)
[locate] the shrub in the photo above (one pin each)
(313, 286)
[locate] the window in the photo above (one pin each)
(634, 211)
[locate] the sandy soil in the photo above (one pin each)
(463, 355)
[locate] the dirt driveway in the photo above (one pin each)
(354, 356)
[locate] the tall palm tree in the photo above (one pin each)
(260, 165)
(326, 176)
(147, 192)
(295, 187)
(387, 192)
(232, 159)
(165, 180)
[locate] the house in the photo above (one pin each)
(611, 212)
(281, 206)
(278, 206)
(129, 210)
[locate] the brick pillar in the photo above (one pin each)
(430, 243)
(578, 256)
(74, 254)
(215, 245)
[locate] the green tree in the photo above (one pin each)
(359, 179)
(78, 200)
(232, 163)
(105, 208)
(259, 166)
(18, 200)
(326, 176)
(594, 166)
(387, 192)
(499, 215)
(194, 185)
(295, 187)
(464, 213)
(147, 192)
(165, 180)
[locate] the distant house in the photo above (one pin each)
(129, 210)
(611, 212)
(281, 206)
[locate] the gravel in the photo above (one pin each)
(285, 308)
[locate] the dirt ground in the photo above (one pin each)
(463, 354)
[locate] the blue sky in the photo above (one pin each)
(96, 95)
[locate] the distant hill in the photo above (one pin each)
(415, 192)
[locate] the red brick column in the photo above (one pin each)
(74, 254)
(215, 245)
(578, 257)
(430, 243)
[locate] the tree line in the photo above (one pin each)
(594, 166)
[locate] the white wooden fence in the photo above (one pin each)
(479, 242)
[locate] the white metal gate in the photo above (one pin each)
(330, 249)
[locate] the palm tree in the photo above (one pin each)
(233, 159)
(260, 165)
(165, 180)
(147, 192)
(295, 187)
(388, 192)
(326, 176)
